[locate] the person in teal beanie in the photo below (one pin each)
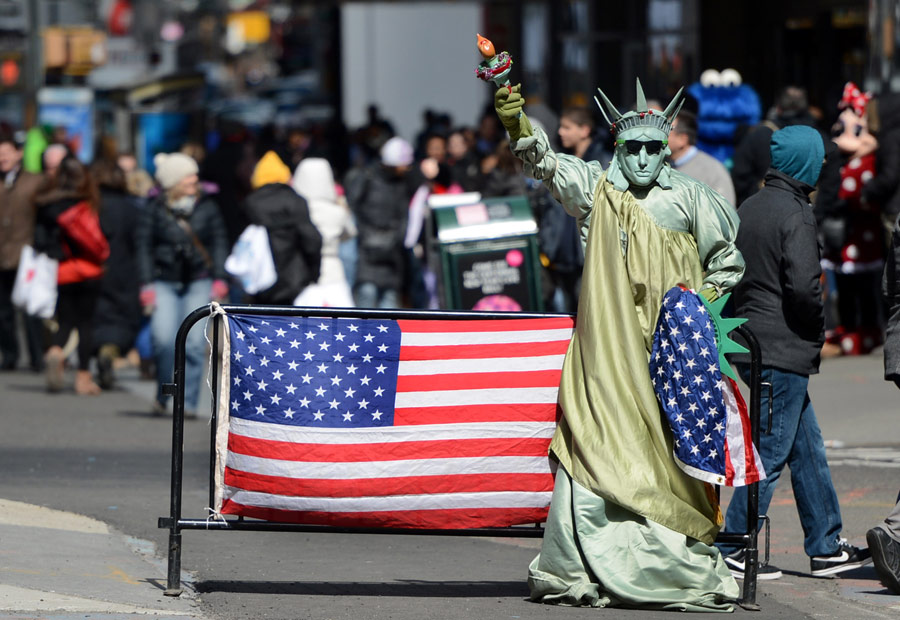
(798, 151)
(780, 295)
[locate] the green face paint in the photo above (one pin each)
(641, 154)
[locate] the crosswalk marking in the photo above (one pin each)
(864, 457)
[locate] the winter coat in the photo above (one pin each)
(497, 184)
(314, 182)
(466, 172)
(17, 214)
(165, 251)
(229, 168)
(558, 235)
(295, 243)
(117, 317)
(380, 201)
(596, 151)
(890, 289)
(780, 293)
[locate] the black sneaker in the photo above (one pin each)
(735, 563)
(886, 557)
(847, 557)
(105, 360)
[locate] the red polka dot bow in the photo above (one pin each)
(855, 99)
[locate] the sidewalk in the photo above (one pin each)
(63, 566)
(58, 565)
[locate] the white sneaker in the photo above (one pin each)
(735, 563)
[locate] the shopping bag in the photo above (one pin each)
(251, 260)
(328, 295)
(34, 290)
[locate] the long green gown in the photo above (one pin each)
(626, 526)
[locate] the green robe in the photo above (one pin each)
(619, 484)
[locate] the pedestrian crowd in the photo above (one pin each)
(343, 224)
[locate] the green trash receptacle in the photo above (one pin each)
(489, 257)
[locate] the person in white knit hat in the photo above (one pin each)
(181, 248)
(379, 197)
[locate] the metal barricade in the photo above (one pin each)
(176, 522)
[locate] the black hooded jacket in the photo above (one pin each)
(295, 242)
(780, 293)
(890, 289)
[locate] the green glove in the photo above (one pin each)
(508, 102)
(710, 294)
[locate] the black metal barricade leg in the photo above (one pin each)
(176, 389)
(749, 539)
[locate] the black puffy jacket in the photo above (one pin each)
(294, 240)
(117, 317)
(165, 251)
(380, 201)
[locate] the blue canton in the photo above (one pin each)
(684, 368)
(306, 371)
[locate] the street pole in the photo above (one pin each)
(33, 62)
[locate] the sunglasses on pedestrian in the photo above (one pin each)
(634, 146)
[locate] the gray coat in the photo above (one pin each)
(890, 288)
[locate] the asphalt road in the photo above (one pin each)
(107, 458)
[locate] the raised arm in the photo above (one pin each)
(571, 180)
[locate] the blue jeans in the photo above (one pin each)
(174, 301)
(796, 441)
(370, 295)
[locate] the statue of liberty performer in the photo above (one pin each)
(626, 526)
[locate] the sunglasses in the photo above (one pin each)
(634, 146)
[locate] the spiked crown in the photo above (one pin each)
(642, 117)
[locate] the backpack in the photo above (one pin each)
(81, 226)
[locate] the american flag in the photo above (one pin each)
(389, 423)
(705, 410)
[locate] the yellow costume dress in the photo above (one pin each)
(627, 527)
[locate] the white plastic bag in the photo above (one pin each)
(251, 260)
(35, 288)
(331, 295)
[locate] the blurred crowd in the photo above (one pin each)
(347, 223)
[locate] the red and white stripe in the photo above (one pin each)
(475, 409)
(743, 465)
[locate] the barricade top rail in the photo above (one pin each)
(369, 313)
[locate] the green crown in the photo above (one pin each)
(642, 116)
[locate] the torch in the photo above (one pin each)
(495, 67)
